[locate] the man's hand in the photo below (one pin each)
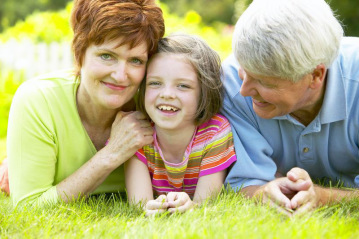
(179, 202)
(306, 199)
(279, 192)
(157, 206)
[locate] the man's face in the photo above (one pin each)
(272, 96)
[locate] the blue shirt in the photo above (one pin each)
(328, 148)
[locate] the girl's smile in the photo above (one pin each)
(172, 92)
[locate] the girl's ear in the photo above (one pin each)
(318, 76)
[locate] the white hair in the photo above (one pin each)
(286, 38)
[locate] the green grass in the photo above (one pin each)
(228, 216)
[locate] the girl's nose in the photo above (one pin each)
(167, 93)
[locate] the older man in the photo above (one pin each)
(292, 89)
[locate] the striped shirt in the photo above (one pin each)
(211, 150)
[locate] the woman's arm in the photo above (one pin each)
(50, 157)
(138, 182)
(129, 133)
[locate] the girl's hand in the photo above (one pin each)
(130, 131)
(179, 202)
(157, 206)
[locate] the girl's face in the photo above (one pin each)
(172, 92)
(110, 75)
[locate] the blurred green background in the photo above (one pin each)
(35, 36)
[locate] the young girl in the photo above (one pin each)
(193, 145)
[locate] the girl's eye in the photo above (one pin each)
(154, 83)
(105, 56)
(184, 86)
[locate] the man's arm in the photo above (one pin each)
(297, 192)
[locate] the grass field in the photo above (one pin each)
(228, 216)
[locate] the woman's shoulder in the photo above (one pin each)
(46, 84)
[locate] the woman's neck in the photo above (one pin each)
(97, 121)
(91, 114)
(174, 143)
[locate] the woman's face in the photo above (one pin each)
(110, 75)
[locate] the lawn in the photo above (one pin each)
(228, 216)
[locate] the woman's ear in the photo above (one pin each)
(318, 76)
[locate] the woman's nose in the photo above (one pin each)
(119, 72)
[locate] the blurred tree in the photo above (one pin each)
(210, 10)
(348, 13)
(12, 11)
(228, 11)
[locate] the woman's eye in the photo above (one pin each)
(105, 56)
(137, 61)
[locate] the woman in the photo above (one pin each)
(59, 125)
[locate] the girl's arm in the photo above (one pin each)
(209, 185)
(138, 182)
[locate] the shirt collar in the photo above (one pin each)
(334, 105)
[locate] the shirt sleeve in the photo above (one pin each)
(141, 156)
(31, 148)
(254, 165)
(219, 151)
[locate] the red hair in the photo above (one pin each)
(94, 21)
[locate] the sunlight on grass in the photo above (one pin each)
(228, 216)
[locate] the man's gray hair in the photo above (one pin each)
(286, 38)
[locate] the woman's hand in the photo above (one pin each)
(130, 132)
(157, 206)
(179, 202)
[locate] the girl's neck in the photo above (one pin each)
(174, 143)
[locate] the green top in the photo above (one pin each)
(47, 142)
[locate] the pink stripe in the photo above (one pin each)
(219, 168)
(141, 157)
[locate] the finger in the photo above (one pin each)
(162, 198)
(304, 209)
(297, 173)
(181, 209)
(182, 199)
(172, 196)
(139, 115)
(155, 205)
(282, 210)
(289, 187)
(151, 213)
(274, 194)
(301, 198)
